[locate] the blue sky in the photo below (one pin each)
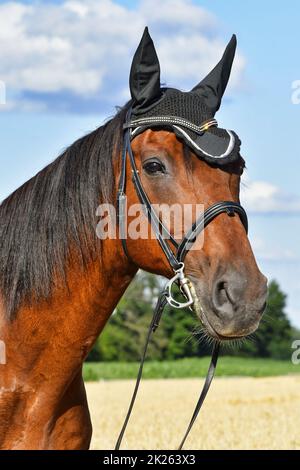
(47, 110)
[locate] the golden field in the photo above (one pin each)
(239, 413)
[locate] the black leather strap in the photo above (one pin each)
(121, 198)
(161, 232)
(136, 388)
(228, 207)
(170, 120)
(160, 305)
(209, 377)
(154, 220)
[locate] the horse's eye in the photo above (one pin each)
(153, 167)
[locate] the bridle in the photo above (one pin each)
(175, 258)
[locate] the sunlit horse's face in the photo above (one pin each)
(221, 266)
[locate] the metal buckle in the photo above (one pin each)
(184, 288)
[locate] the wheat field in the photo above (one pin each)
(239, 413)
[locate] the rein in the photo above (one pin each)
(175, 258)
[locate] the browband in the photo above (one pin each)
(170, 120)
(221, 147)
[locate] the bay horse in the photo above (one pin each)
(59, 283)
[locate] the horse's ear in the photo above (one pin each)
(214, 84)
(144, 74)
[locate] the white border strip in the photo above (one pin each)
(225, 154)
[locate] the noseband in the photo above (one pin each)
(175, 256)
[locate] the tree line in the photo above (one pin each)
(179, 334)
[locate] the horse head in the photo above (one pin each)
(182, 159)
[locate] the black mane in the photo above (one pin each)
(54, 210)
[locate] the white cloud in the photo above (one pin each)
(178, 13)
(264, 251)
(183, 62)
(263, 197)
(85, 47)
(77, 7)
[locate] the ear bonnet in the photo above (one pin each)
(190, 115)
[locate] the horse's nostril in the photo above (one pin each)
(220, 294)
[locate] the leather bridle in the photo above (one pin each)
(175, 258)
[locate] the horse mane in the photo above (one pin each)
(55, 211)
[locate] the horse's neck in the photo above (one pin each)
(56, 334)
(48, 341)
(73, 317)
